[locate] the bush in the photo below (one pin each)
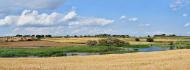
(137, 39)
(112, 42)
(29, 40)
(150, 39)
(91, 42)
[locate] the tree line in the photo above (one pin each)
(98, 35)
(36, 36)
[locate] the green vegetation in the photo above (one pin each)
(112, 42)
(52, 51)
(61, 51)
(136, 46)
(150, 39)
(182, 45)
(91, 42)
(137, 39)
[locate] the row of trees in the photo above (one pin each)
(164, 35)
(99, 35)
(37, 36)
(118, 36)
(34, 36)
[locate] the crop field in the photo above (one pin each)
(71, 40)
(48, 42)
(29, 44)
(167, 60)
(157, 40)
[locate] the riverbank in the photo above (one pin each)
(165, 60)
(64, 51)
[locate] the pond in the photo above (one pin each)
(151, 49)
(147, 49)
(80, 54)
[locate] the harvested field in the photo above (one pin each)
(71, 40)
(36, 44)
(167, 60)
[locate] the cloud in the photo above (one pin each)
(179, 4)
(133, 19)
(187, 25)
(184, 14)
(125, 18)
(33, 18)
(13, 6)
(144, 25)
(38, 4)
(70, 16)
(81, 21)
(33, 22)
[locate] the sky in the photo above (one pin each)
(89, 17)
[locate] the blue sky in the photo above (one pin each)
(82, 17)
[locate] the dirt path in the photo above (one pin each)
(167, 60)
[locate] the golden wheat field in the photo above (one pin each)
(71, 40)
(166, 60)
(129, 40)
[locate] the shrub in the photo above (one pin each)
(171, 43)
(91, 42)
(150, 39)
(137, 39)
(29, 40)
(112, 42)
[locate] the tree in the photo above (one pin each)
(149, 36)
(33, 35)
(49, 36)
(26, 36)
(150, 39)
(112, 42)
(75, 36)
(18, 35)
(91, 42)
(67, 36)
(137, 39)
(38, 36)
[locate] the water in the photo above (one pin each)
(80, 54)
(151, 49)
(148, 49)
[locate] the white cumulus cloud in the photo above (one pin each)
(35, 19)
